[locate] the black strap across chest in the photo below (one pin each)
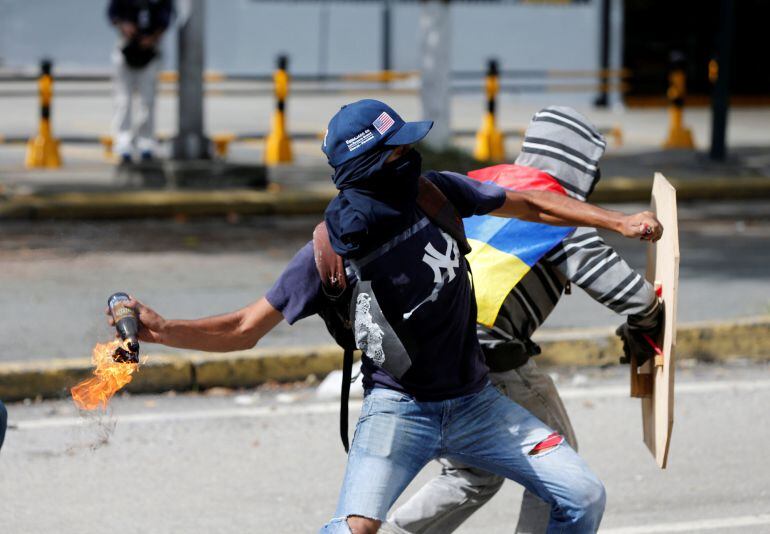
(331, 269)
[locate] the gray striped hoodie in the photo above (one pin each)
(563, 143)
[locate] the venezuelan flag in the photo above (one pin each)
(504, 250)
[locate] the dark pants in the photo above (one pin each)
(3, 422)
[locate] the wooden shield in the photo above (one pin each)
(654, 381)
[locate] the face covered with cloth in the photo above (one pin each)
(376, 173)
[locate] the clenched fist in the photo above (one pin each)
(643, 225)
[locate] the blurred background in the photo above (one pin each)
(172, 150)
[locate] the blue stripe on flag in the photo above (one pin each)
(526, 240)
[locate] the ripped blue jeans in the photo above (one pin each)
(396, 436)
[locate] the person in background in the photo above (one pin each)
(136, 59)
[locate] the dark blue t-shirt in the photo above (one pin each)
(424, 288)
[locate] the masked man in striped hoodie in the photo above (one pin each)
(566, 146)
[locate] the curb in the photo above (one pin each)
(708, 341)
(137, 204)
(250, 368)
(279, 201)
(623, 189)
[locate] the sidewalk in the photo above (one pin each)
(78, 189)
(90, 187)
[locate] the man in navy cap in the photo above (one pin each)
(413, 311)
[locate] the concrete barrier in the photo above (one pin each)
(709, 341)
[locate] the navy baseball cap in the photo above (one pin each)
(359, 127)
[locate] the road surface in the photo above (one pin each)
(271, 461)
(55, 277)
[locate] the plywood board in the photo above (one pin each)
(663, 271)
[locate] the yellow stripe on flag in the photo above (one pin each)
(494, 275)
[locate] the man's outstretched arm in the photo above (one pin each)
(238, 330)
(560, 210)
(589, 262)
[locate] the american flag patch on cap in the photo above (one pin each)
(383, 123)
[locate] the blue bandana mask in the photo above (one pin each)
(376, 201)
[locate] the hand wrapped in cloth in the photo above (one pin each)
(640, 341)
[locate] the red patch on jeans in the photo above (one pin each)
(548, 443)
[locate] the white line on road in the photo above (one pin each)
(681, 388)
(328, 407)
(194, 415)
(694, 526)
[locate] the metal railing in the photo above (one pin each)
(489, 138)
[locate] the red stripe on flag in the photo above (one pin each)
(518, 178)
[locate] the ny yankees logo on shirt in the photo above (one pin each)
(437, 261)
(449, 261)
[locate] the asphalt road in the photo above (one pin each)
(55, 277)
(271, 461)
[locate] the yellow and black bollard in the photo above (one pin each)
(679, 136)
(43, 149)
(489, 140)
(278, 149)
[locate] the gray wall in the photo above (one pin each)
(244, 36)
(73, 32)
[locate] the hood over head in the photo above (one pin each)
(566, 145)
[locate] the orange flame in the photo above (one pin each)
(109, 377)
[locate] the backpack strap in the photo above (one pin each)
(329, 264)
(442, 212)
(331, 269)
(347, 372)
